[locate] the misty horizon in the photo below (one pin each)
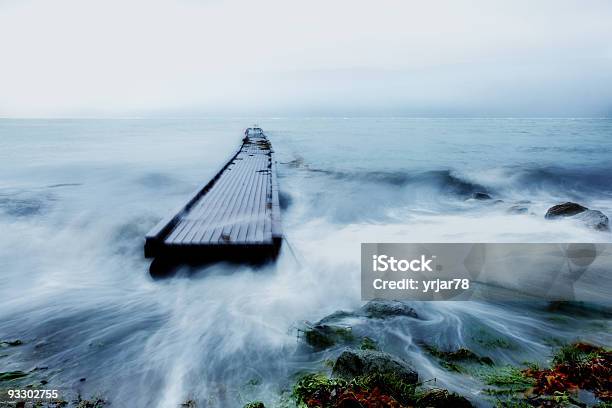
(216, 58)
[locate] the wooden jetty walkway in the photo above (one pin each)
(235, 216)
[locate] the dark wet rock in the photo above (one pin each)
(451, 360)
(523, 202)
(464, 354)
(498, 202)
(322, 336)
(255, 404)
(381, 309)
(479, 195)
(517, 209)
(594, 219)
(11, 343)
(356, 363)
(567, 209)
(591, 218)
(440, 398)
(95, 402)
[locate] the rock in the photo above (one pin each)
(381, 309)
(479, 195)
(11, 343)
(322, 336)
(517, 209)
(439, 398)
(335, 317)
(594, 219)
(255, 404)
(591, 218)
(451, 359)
(564, 210)
(355, 363)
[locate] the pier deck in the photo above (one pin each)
(235, 216)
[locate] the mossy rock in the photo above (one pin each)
(383, 309)
(357, 363)
(452, 359)
(322, 336)
(368, 344)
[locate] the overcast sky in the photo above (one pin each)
(315, 57)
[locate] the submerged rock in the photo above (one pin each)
(322, 336)
(356, 363)
(381, 309)
(567, 209)
(335, 317)
(479, 195)
(440, 398)
(591, 218)
(594, 219)
(517, 209)
(451, 359)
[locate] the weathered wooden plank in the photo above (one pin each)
(238, 208)
(212, 233)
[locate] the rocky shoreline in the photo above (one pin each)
(363, 375)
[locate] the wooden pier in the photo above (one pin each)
(234, 217)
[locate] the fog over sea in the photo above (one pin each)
(77, 197)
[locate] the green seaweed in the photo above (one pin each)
(508, 378)
(576, 354)
(12, 375)
(314, 384)
(368, 344)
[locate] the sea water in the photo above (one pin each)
(77, 197)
